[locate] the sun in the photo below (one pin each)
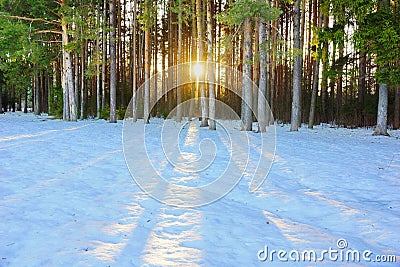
(197, 69)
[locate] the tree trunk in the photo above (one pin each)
(1, 94)
(262, 87)
(179, 61)
(302, 34)
(133, 58)
(296, 68)
(381, 123)
(104, 57)
(26, 101)
(147, 63)
(339, 88)
(210, 65)
(71, 113)
(36, 95)
(247, 87)
(396, 122)
(19, 106)
(83, 87)
(200, 50)
(361, 87)
(256, 67)
(314, 94)
(324, 81)
(193, 102)
(13, 97)
(98, 99)
(113, 77)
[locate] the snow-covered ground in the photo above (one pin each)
(67, 199)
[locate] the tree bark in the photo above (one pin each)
(324, 81)
(147, 64)
(1, 93)
(134, 70)
(179, 61)
(200, 50)
(361, 87)
(262, 87)
(36, 107)
(98, 95)
(67, 73)
(104, 57)
(381, 123)
(296, 68)
(210, 65)
(256, 67)
(396, 122)
(247, 87)
(314, 94)
(26, 101)
(83, 87)
(113, 78)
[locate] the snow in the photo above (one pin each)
(67, 198)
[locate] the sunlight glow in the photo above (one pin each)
(197, 69)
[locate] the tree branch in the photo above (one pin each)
(49, 31)
(33, 19)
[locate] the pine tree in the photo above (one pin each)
(113, 78)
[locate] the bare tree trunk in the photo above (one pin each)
(147, 63)
(36, 96)
(324, 81)
(211, 69)
(247, 87)
(396, 122)
(13, 97)
(134, 70)
(113, 78)
(104, 57)
(83, 87)
(179, 61)
(68, 76)
(256, 67)
(314, 95)
(296, 68)
(98, 99)
(302, 36)
(262, 87)
(340, 88)
(1, 93)
(361, 87)
(26, 101)
(200, 49)
(381, 123)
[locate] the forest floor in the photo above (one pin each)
(67, 198)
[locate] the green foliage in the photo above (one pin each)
(379, 35)
(184, 11)
(348, 11)
(147, 17)
(19, 55)
(56, 101)
(121, 113)
(105, 113)
(242, 9)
